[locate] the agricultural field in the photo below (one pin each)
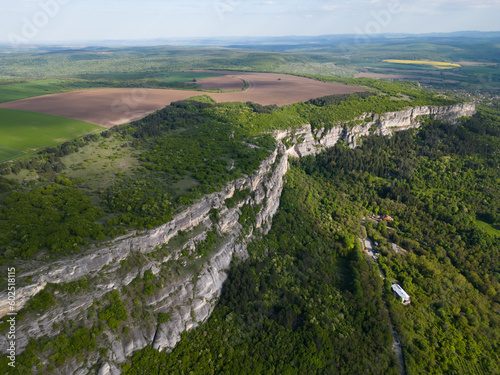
(167, 66)
(22, 90)
(159, 77)
(110, 107)
(105, 107)
(25, 132)
(11, 91)
(283, 89)
(8, 153)
(225, 83)
(434, 64)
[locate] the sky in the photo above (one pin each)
(35, 21)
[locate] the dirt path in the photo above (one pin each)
(396, 344)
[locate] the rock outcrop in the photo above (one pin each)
(191, 298)
(306, 141)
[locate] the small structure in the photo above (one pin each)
(405, 298)
(387, 217)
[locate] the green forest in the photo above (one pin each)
(437, 183)
(308, 301)
(181, 152)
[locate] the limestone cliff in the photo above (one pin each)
(306, 141)
(189, 298)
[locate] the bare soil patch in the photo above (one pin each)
(283, 89)
(105, 107)
(110, 107)
(224, 83)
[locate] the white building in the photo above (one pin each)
(405, 298)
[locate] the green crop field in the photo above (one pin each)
(16, 91)
(8, 153)
(24, 132)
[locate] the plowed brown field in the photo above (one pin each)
(225, 83)
(110, 107)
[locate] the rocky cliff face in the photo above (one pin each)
(191, 297)
(306, 141)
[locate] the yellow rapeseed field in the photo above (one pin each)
(436, 64)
